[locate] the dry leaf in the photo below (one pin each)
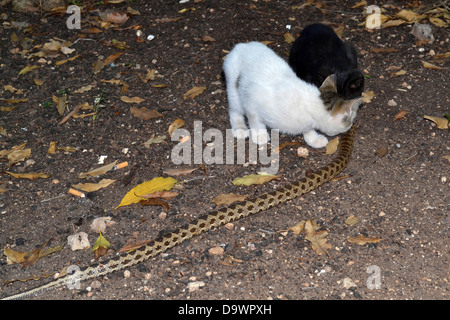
(84, 89)
(30, 175)
(60, 62)
(155, 202)
(383, 50)
(438, 22)
(18, 155)
(289, 38)
(362, 240)
(441, 56)
(28, 69)
(192, 93)
(4, 153)
(148, 187)
(151, 75)
(332, 146)
(28, 258)
(145, 114)
(410, 15)
(179, 172)
(399, 73)
(38, 82)
(98, 171)
(298, 228)
(401, 115)
(208, 39)
(167, 195)
(360, 4)
(115, 17)
(98, 66)
(178, 123)
(100, 246)
(287, 144)
(90, 187)
(78, 241)
(113, 57)
(381, 152)
(100, 224)
(442, 123)
(254, 179)
(61, 103)
(317, 238)
(367, 96)
(352, 220)
(131, 100)
(431, 66)
(447, 157)
(52, 147)
(392, 23)
(229, 198)
(155, 140)
(135, 245)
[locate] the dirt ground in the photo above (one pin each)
(400, 195)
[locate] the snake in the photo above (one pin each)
(207, 222)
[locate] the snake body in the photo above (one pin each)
(208, 222)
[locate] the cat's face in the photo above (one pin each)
(343, 111)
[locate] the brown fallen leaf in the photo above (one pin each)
(132, 99)
(111, 58)
(4, 153)
(399, 73)
(145, 114)
(229, 198)
(114, 16)
(61, 103)
(367, 96)
(352, 220)
(90, 187)
(194, 92)
(18, 155)
(332, 146)
(298, 228)
(30, 175)
(150, 76)
(179, 172)
(207, 38)
(289, 38)
(30, 257)
(60, 62)
(155, 202)
(254, 179)
(98, 66)
(362, 240)
(98, 171)
(166, 195)
(317, 238)
(442, 123)
(28, 69)
(287, 144)
(400, 115)
(381, 152)
(133, 246)
(178, 123)
(438, 22)
(383, 50)
(431, 66)
(52, 147)
(392, 23)
(441, 56)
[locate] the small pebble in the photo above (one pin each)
(126, 274)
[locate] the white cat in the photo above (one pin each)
(263, 88)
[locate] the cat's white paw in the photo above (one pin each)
(315, 140)
(318, 142)
(240, 133)
(260, 136)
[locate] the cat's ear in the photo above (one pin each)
(329, 84)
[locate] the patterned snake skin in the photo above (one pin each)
(208, 222)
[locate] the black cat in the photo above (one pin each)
(319, 52)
